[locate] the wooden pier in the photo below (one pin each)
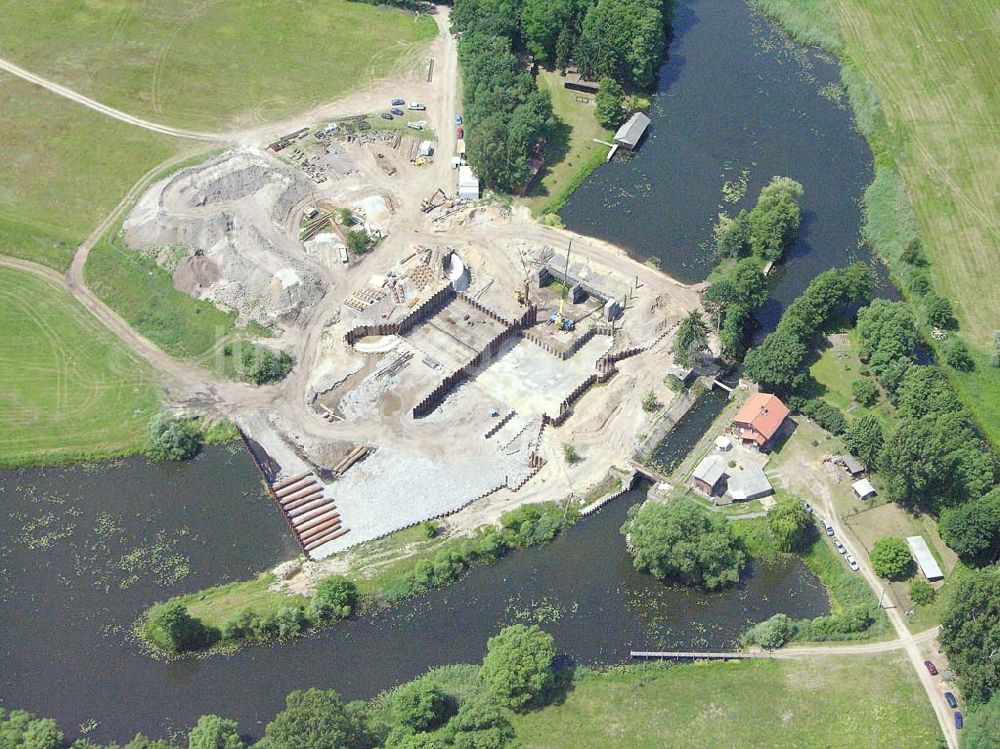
(694, 655)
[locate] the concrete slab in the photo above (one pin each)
(532, 381)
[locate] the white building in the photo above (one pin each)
(468, 184)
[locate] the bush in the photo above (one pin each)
(770, 634)
(261, 365)
(865, 392)
(173, 630)
(650, 403)
(956, 353)
(826, 415)
(983, 727)
(517, 669)
(213, 732)
(429, 528)
(675, 383)
(418, 706)
(939, 311)
(335, 598)
(172, 439)
(890, 558)
(921, 593)
(570, 455)
(679, 541)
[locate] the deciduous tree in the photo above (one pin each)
(891, 558)
(517, 670)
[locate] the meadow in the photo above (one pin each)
(212, 65)
(64, 168)
(68, 390)
(846, 701)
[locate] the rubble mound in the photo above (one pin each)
(230, 215)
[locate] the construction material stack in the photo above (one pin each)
(313, 518)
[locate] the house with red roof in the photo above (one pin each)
(759, 420)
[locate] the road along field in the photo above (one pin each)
(938, 81)
(212, 64)
(62, 373)
(64, 168)
(872, 701)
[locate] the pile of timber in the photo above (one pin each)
(359, 453)
(312, 517)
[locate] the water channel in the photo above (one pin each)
(84, 549)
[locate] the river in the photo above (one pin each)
(86, 549)
(734, 95)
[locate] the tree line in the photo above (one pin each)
(507, 116)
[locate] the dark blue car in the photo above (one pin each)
(958, 720)
(950, 699)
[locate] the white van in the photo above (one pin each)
(417, 107)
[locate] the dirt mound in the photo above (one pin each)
(230, 215)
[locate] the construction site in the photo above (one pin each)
(445, 350)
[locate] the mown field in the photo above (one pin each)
(571, 152)
(211, 64)
(68, 390)
(64, 168)
(849, 701)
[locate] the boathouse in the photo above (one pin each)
(631, 133)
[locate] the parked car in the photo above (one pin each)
(417, 106)
(398, 102)
(839, 546)
(415, 125)
(931, 668)
(852, 563)
(806, 506)
(386, 116)
(828, 528)
(950, 699)
(397, 112)
(458, 119)
(958, 720)
(459, 133)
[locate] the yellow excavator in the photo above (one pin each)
(563, 323)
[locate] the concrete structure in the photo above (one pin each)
(750, 483)
(925, 560)
(468, 184)
(631, 133)
(759, 420)
(864, 489)
(708, 473)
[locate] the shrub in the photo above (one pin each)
(956, 353)
(213, 732)
(429, 528)
(939, 311)
(675, 383)
(825, 415)
(891, 558)
(650, 403)
(517, 669)
(261, 365)
(770, 634)
(570, 454)
(865, 392)
(173, 630)
(418, 706)
(172, 439)
(921, 593)
(335, 598)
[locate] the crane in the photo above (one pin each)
(561, 322)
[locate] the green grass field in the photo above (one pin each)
(64, 168)
(572, 155)
(870, 701)
(68, 390)
(144, 294)
(212, 64)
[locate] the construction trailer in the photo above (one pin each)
(468, 184)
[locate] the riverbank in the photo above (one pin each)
(904, 206)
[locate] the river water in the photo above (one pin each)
(83, 550)
(734, 95)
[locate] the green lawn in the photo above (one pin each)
(837, 368)
(144, 294)
(212, 64)
(870, 701)
(572, 153)
(63, 169)
(68, 390)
